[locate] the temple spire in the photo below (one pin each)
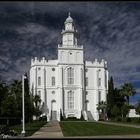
(69, 12)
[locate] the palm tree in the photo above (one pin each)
(127, 91)
(102, 106)
(37, 110)
(16, 90)
(36, 100)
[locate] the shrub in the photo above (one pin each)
(13, 133)
(61, 116)
(43, 118)
(4, 129)
(118, 119)
(71, 119)
(128, 119)
(135, 120)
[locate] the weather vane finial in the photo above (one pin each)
(69, 12)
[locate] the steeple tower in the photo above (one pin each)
(69, 33)
(69, 51)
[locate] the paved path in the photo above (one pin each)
(120, 124)
(50, 130)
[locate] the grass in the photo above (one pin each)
(94, 129)
(30, 128)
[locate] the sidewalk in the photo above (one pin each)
(50, 130)
(120, 124)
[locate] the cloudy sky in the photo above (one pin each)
(108, 30)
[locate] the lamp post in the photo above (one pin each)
(23, 110)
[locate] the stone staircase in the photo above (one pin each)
(54, 115)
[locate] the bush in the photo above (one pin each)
(4, 129)
(128, 119)
(118, 119)
(13, 133)
(43, 118)
(135, 120)
(61, 116)
(71, 119)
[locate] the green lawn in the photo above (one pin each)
(30, 128)
(93, 128)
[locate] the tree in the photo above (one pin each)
(127, 90)
(110, 97)
(15, 89)
(9, 108)
(115, 111)
(3, 93)
(37, 101)
(138, 108)
(29, 111)
(124, 110)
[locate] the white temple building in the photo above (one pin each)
(69, 85)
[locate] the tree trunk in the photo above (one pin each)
(127, 100)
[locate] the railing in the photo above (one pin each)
(70, 46)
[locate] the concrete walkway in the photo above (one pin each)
(50, 130)
(120, 124)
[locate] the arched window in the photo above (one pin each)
(70, 72)
(99, 96)
(53, 81)
(39, 81)
(99, 78)
(70, 100)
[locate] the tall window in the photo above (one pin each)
(70, 76)
(99, 82)
(86, 81)
(70, 100)
(70, 37)
(39, 81)
(53, 81)
(105, 80)
(39, 93)
(99, 96)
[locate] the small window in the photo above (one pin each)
(70, 53)
(99, 96)
(86, 81)
(99, 82)
(39, 68)
(86, 92)
(53, 69)
(86, 70)
(53, 81)
(53, 92)
(39, 81)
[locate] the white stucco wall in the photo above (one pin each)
(132, 113)
(69, 55)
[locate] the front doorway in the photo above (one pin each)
(54, 110)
